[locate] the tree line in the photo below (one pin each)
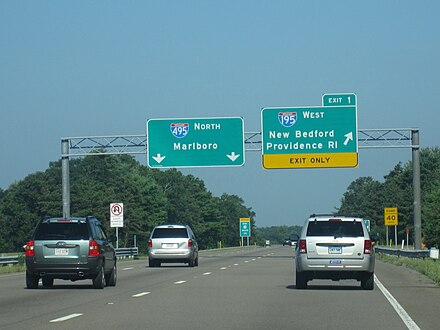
(150, 197)
(153, 197)
(367, 198)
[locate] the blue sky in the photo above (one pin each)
(87, 68)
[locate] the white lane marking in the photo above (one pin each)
(140, 294)
(179, 282)
(254, 259)
(207, 273)
(235, 264)
(410, 324)
(128, 268)
(246, 261)
(65, 318)
(224, 268)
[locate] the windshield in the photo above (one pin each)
(170, 233)
(335, 228)
(56, 230)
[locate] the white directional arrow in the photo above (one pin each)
(348, 137)
(233, 156)
(158, 158)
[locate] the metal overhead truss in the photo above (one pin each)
(138, 144)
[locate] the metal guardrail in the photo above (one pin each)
(120, 253)
(403, 252)
(127, 252)
(10, 260)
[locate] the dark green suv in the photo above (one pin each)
(70, 249)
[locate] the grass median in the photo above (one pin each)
(428, 267)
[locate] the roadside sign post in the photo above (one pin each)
(195, 142)
(117, 218)
(391, 218)
(245, 229)
(311, 137)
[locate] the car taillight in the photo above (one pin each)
(367, 246)
(302, 246)
(93, 249)
(150, 244)
(30, 252)
(190, 243)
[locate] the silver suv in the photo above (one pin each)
(334, 247)
(70, 249)
(172, 243)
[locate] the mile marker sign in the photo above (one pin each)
(195, 142)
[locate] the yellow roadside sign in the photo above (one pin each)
(390, 216)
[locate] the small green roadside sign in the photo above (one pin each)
(195, 142)
(245, 227)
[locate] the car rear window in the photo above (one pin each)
(170, 233)
(62, 230)
(335, 228)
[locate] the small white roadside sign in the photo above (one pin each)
(116, 215)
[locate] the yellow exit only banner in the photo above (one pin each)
(321, 160)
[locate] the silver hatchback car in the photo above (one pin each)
(335, 247)
(171, 244)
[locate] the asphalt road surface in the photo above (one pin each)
(249, 288)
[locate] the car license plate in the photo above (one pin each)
(334, 249)
(169, 246)
(335, 262)
(61, 252)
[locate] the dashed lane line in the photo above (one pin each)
(65, 318)
(141, 294)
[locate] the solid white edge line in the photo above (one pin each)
(65, 318)
(410, 324)
(140, 294)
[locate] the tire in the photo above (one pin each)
(367, 282)
(99, 280)
(191, 262)
(47, 282)
(110, 279)
(196, 262)
(31, 281)
(151, 263)
(301, 281)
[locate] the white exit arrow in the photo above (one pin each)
(233, 156)
(348, 137)
(158, 158)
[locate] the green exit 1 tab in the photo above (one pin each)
(331, 100)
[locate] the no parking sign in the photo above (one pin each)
(116, 215)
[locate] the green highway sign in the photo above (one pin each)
(331, 100)
(195, 142)
(309, 137)
(245, 227)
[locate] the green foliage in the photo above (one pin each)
(150, 197)
(367, 198)
(277, 234)
(428, 267)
